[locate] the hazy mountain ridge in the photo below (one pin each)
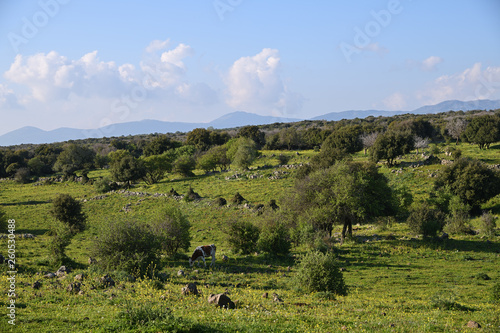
(30, 134)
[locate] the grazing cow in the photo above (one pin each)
(201, 252)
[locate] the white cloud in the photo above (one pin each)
(395, 102)
(430, 63)
(254, 84)
(157, 45)
(375, 48)
(471, 84)
(8, 99)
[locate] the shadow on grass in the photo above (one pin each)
(24, 203)
(456, 245)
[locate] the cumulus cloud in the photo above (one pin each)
(8, 99)
(254, 84)
(471, 84)
(157, 45)
(427, 65)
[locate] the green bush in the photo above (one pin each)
(242, 236)
(319, 272)
(274, 238)
(61, 238)
(424, 220)
(101, 185)
(488, 224)
(456, 221)
(127, 245)
(69, 211)
(173, 231)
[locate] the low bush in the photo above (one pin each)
(173, 231)
(495, 292)
(127, 245)
(424, 220)
(101, 185)
(319, 272)
(69, 211)
(274, 238)
(242, 236)
(488, 224)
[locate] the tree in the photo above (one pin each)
(455, 127)
(289, 138)
(368, 140)
(159, 145)
(345, 193)
(200, 138)
(74, 157)
(173, 231)
(471, 180)
(126, 168)
(242, 236)
(425, 220)
(483, 131)
(68, 211)
(184, 165)
(155, 166)
(253, 132)
(242, 152)
(420, 142)
(390, 145)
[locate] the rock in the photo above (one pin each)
(107, 281)
(37, 285)
(50, 275)
(265, 295)
(74, 287)
(180, 272)
(224, 258)
(79, 277)
(190, 289)
(473, 324)
(63, 270)
(276, 298)
(221, 300)
(81, 293)
(92, 261)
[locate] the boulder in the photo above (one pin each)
(221, 300)
(74, 287)
(49, 275)
(180, 272)
(79, 277)
(63, 270)
(92, 261)
(190, 289)
(473, 324)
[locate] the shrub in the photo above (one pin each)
(173, 231)
(242, 236)
(22, 176)
(456, 221)
(61, 238)
(424, 220)
(220, 202)
(237, 199)
(129, 246)
(145, 314)
(274, 238)
(318, 272)
(488, 224)
(184, 165)
(69, 211)
(283, 159)
(102, 185)
(191, 195)
(445, 301)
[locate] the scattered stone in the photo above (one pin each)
(37, 285)
(79, 277)
(81, 293)
(63, 270)
(74, 287)
(276, 298)
(225, 258)
(49, 275)
(221, 300)
(265, 295)
(190, 289)
(92, 261)
(473, 324)
(180, 273)
(107, 281)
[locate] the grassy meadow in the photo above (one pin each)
(397, 282)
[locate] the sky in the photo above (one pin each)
(87, 64)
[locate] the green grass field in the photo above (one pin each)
(397, 282)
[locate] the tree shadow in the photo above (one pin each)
(456, 245)
(24, 203)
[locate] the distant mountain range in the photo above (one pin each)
(35, 135)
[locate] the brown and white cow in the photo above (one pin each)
(201, 252)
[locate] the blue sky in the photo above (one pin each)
(85, 64)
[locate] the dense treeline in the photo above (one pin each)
(150, 157)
